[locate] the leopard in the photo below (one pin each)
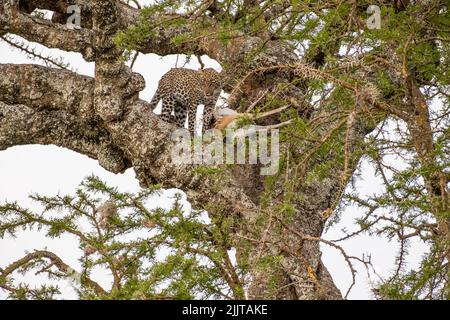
(182, 90)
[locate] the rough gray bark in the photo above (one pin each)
(104, 119)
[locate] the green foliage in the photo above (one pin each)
(347, 70)
(415, 284)
(152, 253)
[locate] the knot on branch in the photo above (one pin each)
(108, 106)
(116, 88)
(135, 84)
(145, 180)
(112, 158)
(104, 46)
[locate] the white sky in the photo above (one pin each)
(48, 170)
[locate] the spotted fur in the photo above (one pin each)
(182, 90)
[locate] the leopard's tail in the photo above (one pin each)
(155, 99)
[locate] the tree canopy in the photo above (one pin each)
(344, 81)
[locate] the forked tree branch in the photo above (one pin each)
(55, 261)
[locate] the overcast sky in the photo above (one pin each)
(50, 170)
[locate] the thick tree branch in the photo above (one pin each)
(48, 88)
(20, 125)
(139, 137)
(45, 32)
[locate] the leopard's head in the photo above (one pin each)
(211, 78)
